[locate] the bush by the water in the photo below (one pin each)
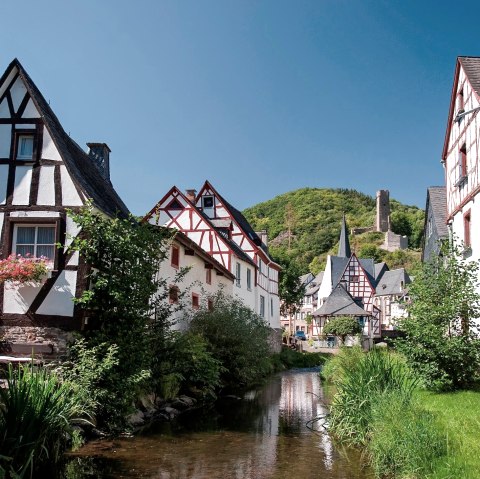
(237, 337)
(290, 358)
(345, 359)
(374, 407)
(37, 411)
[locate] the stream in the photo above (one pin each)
(263, 435)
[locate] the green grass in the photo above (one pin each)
(289, 359)
(459, 413)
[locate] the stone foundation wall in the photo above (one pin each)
(275, 340)
(36, 336)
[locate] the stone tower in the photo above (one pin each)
(382, 222)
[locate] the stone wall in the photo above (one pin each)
(393, 242)
(45, 339)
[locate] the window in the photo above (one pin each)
(462, 165)
(24, 147)
(249, 279)
(33, 240)
(173, 292)
(262, 306)
(466, 229)
(460, 101)
(208, 276)
(207, 202)
(210, 304)
(271, 307)
(175, 261)
(429, 228)
(354, 279)
(237, 275)
(195, 301)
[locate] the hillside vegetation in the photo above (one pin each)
(304, 225)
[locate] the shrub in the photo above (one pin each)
(37, 412)
(295, 359)
(187, 365)
(345, 359)
(342, 326)
(441, 341)
(237, 337)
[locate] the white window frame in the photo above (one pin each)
(203, 202)
(238, 272)
(262, 306)
(35, 244)
(19, 139)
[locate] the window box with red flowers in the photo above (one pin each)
(18, 269)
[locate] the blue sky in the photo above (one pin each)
(259, 97)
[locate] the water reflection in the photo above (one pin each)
(261, 437)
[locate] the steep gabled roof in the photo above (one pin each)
(344, 245)
(380, 268)
(471, 67)
(242, 222)
(82, 169)
(230, 243)
(393, 282)
(437, 201)
(340, 303)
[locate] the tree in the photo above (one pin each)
(342, 326)
(291, 291)
(441, 341)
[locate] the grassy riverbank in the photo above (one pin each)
(458, 414)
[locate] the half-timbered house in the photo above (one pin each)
(42, 173)
(223, 232)
(254, 244)
(193, 278)
(176, 210)
(460, 157)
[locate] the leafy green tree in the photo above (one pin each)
(342, 326)
(237, 337)
(370, 250)
(441, 341)
(290, 289)
(124, 301)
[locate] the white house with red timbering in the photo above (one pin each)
(193, 278)
(42, 173)
(460, 157)
(223, 232)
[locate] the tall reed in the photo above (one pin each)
(358, 387)
(37, 412)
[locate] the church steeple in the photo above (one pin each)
(344, 245)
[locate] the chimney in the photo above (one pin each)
(191, 195)
(382, 222)
(100, 154)
(263, 236)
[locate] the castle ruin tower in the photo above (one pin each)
(382, 222)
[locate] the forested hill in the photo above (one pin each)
(304, 225)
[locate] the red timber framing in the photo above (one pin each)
(222, 210)
(192, 223)
(461, 136)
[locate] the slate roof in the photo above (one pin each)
(80, 166)
(391, 282)
(314, 285)
(306, 278)
(380, 268)
(437, 201)
(471, 65)
(243, 223)
(340, 303)
(344, 245)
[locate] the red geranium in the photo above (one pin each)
(21, 269)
